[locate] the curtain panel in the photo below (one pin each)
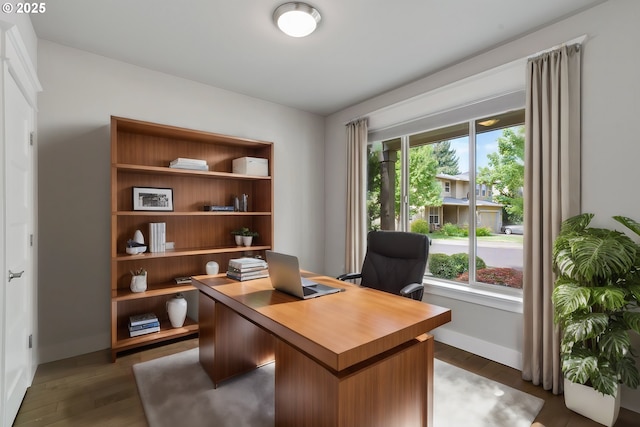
(552, 194)
(356, 229)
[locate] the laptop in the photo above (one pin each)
(284, 273)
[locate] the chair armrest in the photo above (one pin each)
(413, 291)
(349, 276)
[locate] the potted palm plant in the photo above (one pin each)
(244, 236)
(596, 297)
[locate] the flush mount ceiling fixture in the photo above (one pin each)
(489, 122)
(296, 19)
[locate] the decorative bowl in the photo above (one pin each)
(136, 250)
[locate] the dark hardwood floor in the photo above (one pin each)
(89, 390)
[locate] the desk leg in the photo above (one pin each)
(229, 344)
(391, 390)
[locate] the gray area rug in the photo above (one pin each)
(175, 390)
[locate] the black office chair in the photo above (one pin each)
(395, 262)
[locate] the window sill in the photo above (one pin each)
(509, 300)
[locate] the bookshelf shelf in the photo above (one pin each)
(125, 342)
(189, 252)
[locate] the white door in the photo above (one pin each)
(18, 251)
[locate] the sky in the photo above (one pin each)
(485, 143)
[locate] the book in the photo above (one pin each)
(144, 326)
(144, 331)
(187, 161)
(182, 280)
(191, 167)
(246, 270)
(248, 276)
(141, 319)
(243, 263)
(157, 236)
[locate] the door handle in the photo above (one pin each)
(13, 275)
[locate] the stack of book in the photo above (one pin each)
(247, 269)
(157, 236)
(184, 163)
(142, 324)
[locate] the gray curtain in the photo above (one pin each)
(552, 194)
(356, 194)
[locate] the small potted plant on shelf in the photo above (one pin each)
(138, 280)
(244, 236)
(596, 297)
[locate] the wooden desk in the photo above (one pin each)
(356, 358)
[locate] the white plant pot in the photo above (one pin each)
(238, 240)
(139, 283)
(246, 240)
(586, 401)
(177, 310)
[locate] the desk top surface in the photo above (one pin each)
(340, 329)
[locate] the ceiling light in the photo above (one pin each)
(296, 19)
(489, 122)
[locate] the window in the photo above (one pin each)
(434, 216)
(422, 182)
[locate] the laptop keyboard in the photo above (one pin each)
(308, 290)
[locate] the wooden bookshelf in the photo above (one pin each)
(140, 156)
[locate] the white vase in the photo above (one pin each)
(138, 237)
(139, 283)
(177, 310)
(238, 240)
(212, 267)
(246, 240)
(592, 404)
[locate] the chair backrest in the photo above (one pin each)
(394, 259)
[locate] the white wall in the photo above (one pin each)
(81, 92)
(611, 61)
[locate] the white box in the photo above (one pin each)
(251, 166)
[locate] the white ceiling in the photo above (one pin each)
(362, 47)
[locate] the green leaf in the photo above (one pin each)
(628, 372)
(632, 319)
(635, 291)
(569, 297)
(605, 381)
(562, 258)
(585, 326)
(609, 298)
(629, 223)
(576, 223)
(579, 366)
(614, 344)
(602, 256)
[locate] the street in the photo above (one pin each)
(494, 254)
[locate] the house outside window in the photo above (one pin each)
(440, 166)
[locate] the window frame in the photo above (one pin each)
(492, 295)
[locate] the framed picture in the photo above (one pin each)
(152, 199)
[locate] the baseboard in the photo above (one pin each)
(491, 351)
